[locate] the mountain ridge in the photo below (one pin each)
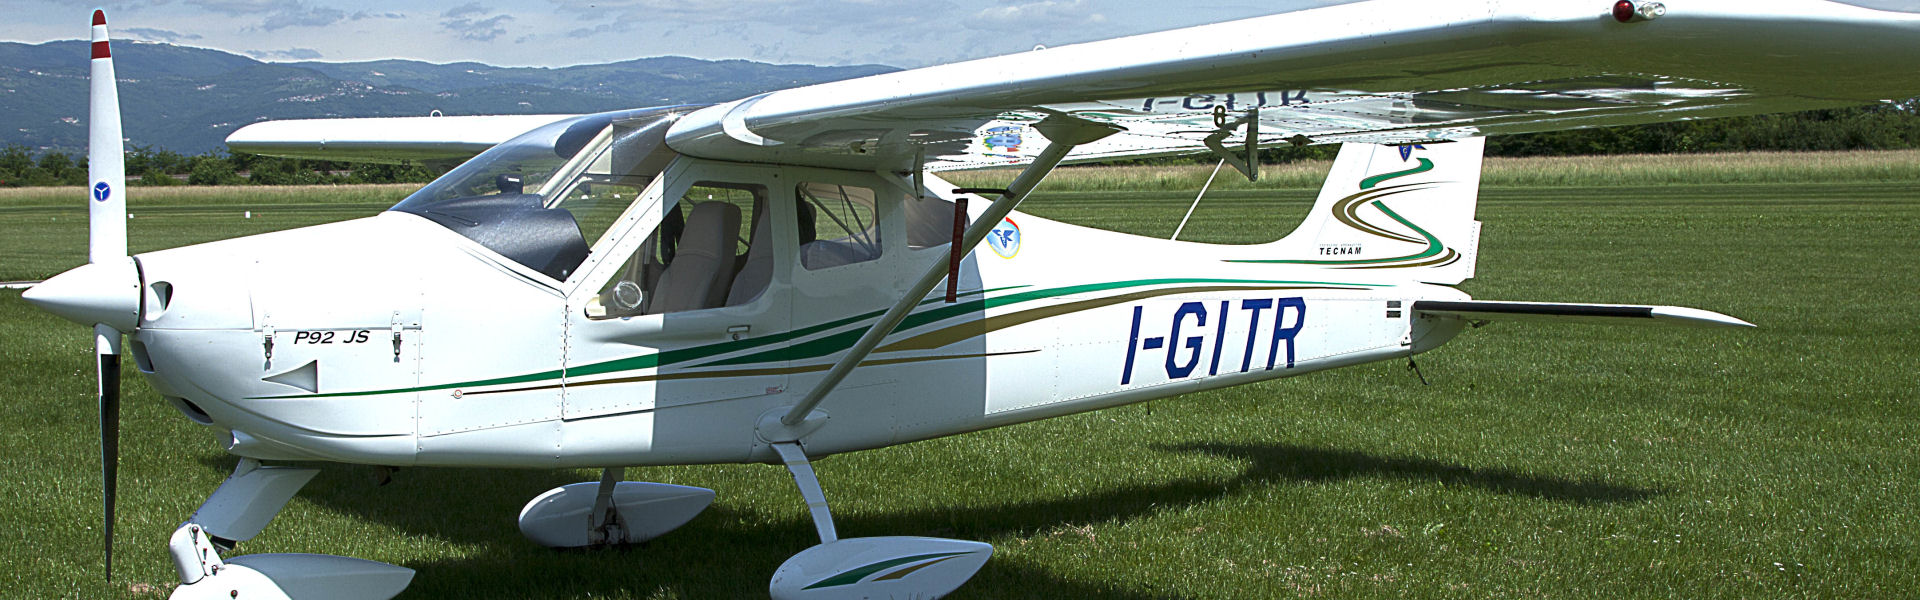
(187, 99)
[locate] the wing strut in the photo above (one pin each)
(1064, 133)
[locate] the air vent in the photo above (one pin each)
(141, 359)
(306, 377)
(159, 297)
(190, 410)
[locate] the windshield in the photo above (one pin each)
(541, 199)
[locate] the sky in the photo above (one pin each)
(901, 33)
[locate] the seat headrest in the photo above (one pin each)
(711, 231)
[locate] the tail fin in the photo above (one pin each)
(1404, 208)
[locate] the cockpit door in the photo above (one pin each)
(690, 304)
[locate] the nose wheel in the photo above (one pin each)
(241, 509)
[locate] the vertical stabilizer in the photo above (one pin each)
(1403, 209)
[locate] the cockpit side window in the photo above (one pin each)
(707, 252)
(598, 186)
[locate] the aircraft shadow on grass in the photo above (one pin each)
(727, 552)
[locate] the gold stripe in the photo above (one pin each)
(956, 333)
(1346, 211)
(1449, 257)
(903, 572)
(927, 341)
(749, 372)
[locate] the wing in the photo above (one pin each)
(384, 140)
(1387, 71)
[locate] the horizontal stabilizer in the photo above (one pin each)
(1554, 312)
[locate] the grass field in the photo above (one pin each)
(1565, 462)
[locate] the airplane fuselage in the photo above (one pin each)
(391, 340)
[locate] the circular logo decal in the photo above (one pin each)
(102, 191)
(1005, 239)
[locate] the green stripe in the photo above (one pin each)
(1368, 183)
(635, 363)
(845, 339)
(1433, 244)
(1433, 247)
(854, 576)
(809, 349)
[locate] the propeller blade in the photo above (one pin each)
(106, 244)
(107, 351)
(106, 158)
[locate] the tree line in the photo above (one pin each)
(148, 166)
(1880, 127)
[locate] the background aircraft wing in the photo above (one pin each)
(384, 140)
(1387, 71)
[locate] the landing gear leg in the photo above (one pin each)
(874, 567)
(802, 469)
(239, 510)
(611, 512)
(604, 525)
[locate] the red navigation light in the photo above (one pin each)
(1623, 11)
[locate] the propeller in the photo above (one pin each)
(105, 292)
(107, 243)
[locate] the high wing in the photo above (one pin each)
(1384, 72)
(1387, 71)
(386, 139)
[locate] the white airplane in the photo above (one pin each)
(785, 277)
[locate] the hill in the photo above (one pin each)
(188, 99)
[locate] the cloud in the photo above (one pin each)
(299, 16)
(241, 8)
(819, 16)
(815, 31)
(159, 35)
(1041, 15)
(288, 54)
(471, 8)
(614, 27)
(463, 23)
(113, 5)
(281, 14)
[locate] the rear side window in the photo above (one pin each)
(838, 225)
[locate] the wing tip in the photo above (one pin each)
(99, 17)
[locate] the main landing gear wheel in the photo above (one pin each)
(873, 567)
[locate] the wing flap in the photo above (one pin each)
(386, 139)
(1555, 312)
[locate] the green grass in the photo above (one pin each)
(1574, 461)
(1754, 167)
(43, 231)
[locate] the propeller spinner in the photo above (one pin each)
(105, 292)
